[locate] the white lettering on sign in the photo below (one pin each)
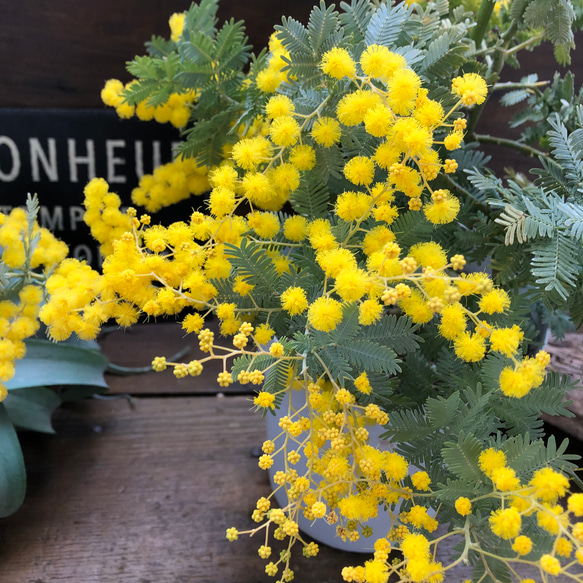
(49, 164)
(39, 159)
(52, 222)
(113, 161)
(76, 216)
(75, 160)
(15, 155)
(156, 154)
(139, 158)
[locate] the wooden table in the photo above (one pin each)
(142, 491)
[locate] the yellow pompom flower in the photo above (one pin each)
(378, 121)
(294, 301)
(578, 531)
(403, 87)
(265, 400)
(522, 545)
(463, 505)
(453, 321)
(303, 157)
(263, 334)
(266, 225)
(471, 89)
(278, 106)
(505, 523)
(359, 170)
(257, 188)
(387, 154)
(352, 108)
(490, 460)
(453, 140)
(351, 284)
(575, 504)
(495, 301)
(111, 92)
(295, 228)
(550, 565)
(430, 254)
(352, 206)
(564, 547)
(513, 382)
(325, 314)
(362, 383)
(470, 347)
(443, 208)
(250, 152)
(421, 481)
(338, 63)
(506, 340)
(320, 235)
(416, 308)
(221, 202)
(549, 484)
(505, 479)
(369, 312)
(376, 61)
(176, 24)
(284, 131)
(334, 261)
(326, 131)
(429, 114)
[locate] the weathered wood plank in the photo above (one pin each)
(60, 54)
(144, 495)
(137, 347)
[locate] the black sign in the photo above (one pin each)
(55, 152)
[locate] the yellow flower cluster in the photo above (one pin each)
(270, 78)
(20, 301)
(363, 264)
(176, 110)
(47, 252)
(517, 502)
(171, 183)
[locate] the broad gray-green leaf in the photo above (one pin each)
(32, 408)
(50, 364)
(12, 472)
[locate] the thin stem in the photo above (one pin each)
(525, 44)
(482, 21)
(511, 85)
(518, 146)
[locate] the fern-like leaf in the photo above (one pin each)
(252, 263)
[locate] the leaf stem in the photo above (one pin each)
(511, 85)
(482, 20)
(508, 143)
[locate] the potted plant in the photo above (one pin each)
(348, 198)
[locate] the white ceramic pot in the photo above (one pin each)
(319, 529)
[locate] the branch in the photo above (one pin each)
(512, 85)
(482, 20)
(518, 146)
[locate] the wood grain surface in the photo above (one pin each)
(144, 495)
(59, 54)
(142, 491)
(137, 347)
